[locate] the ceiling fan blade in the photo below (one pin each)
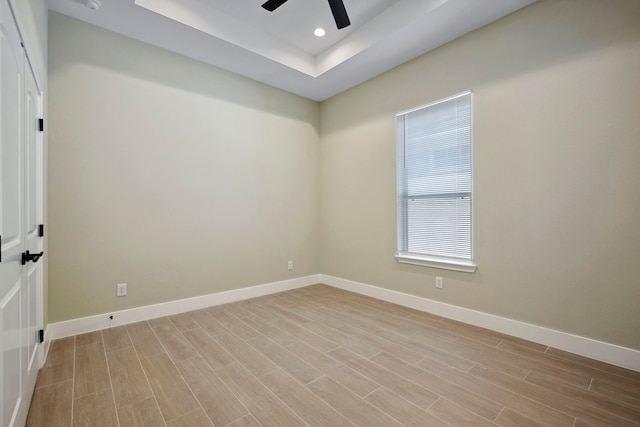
(272, 5)
(339, 13)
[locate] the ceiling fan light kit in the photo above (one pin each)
(337, 9)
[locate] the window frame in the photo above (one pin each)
(429, 260)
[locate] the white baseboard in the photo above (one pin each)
(101, 321)
(599, 350)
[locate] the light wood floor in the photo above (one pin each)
(319, 356)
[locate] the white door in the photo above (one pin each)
(11, 221)
(20, 184)
(33, 268)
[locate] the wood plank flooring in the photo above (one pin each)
(319, 356)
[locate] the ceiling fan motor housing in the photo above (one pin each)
(337, 9)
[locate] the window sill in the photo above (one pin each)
(443, 263)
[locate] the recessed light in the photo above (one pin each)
(319, 32)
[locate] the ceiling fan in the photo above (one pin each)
(337, 8)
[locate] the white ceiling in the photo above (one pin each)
(278, 48)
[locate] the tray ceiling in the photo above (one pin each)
(278, 48)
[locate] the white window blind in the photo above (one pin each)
(435, 180)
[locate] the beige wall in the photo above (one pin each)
(557, 182)
(175, 177)
(181, 179)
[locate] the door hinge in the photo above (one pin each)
(41, 336)
(41, 125)
(41, 230)
(0, 248)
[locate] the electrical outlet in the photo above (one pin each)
(290, 265)
(121, 289)
(439, 282)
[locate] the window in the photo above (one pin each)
(435, 185)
